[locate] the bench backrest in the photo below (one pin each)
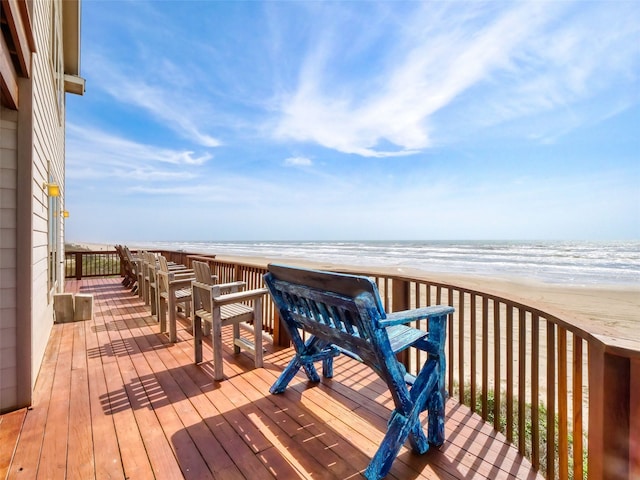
(342, 309)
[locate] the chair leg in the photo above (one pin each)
(162, 314)
(197, 338)
(236, 335)
(153, 298)
(257, 329)
(173, 335)
(216, 343)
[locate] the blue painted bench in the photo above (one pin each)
(344, 314)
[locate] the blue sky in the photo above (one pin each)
(355, 121)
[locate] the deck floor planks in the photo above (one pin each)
(144, 392)
(305, 427)
(27, 458)
(80, 458)
(246, 399)
(282, 429)
(141, 394)
(53, 458)
(248, 462)
(171, 406)
(230, 404)
(107, 459)
(10, 426)
(115, 404)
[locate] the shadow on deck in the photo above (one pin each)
(115, 399)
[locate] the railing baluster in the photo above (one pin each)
(461, 329)
(451, 341)
(522, 378)
(563, 440)
(496, 364)
(551, 399)
(473, 352)
(535, 401)
(578, 448)
(509, 347)
(485, 355)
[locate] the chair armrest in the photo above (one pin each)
(180, 283)
(231, 287)
(182, 274)
(239, 296)
(232, 284)
(407, 316)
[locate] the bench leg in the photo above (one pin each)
(405, 426)
(327, 367)
(435, 427)
(287, 375)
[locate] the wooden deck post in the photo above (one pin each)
(280, 335)
(400, 300)
(78, 265)
(611, 451)
(634, 417)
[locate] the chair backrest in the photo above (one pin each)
(202, 271)
(162, 277)
(164, 266)
(200, 293)
(342, 309)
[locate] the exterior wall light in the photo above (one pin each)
(53, 189)
(65, 214)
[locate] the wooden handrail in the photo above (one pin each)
(517, 365)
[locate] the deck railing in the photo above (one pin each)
(92, 264)
(566, 395)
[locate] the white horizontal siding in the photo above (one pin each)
(8, 195)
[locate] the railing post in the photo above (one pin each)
(611, 452)
(634, 417)
(280, 335)
(237, 273)
(401, 295)
(400, 300)
(78, 265)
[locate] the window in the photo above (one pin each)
(52, 244)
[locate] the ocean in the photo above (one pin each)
(564, 262)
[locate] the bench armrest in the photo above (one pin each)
(407, 316)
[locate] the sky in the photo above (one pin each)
(355, 120)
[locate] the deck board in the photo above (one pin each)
(115, 399)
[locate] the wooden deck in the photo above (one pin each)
(114, 399)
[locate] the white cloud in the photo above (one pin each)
(298, 162)
(176, 108)
(98, 154)
(532, 57)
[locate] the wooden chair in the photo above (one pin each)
(130, 279)
(149, 266)
(226, 304)
(344, 314)
(173, 290)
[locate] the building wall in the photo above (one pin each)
(47, 164)
(8, 187)
(32, 148)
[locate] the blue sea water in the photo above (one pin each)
(566, 262)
